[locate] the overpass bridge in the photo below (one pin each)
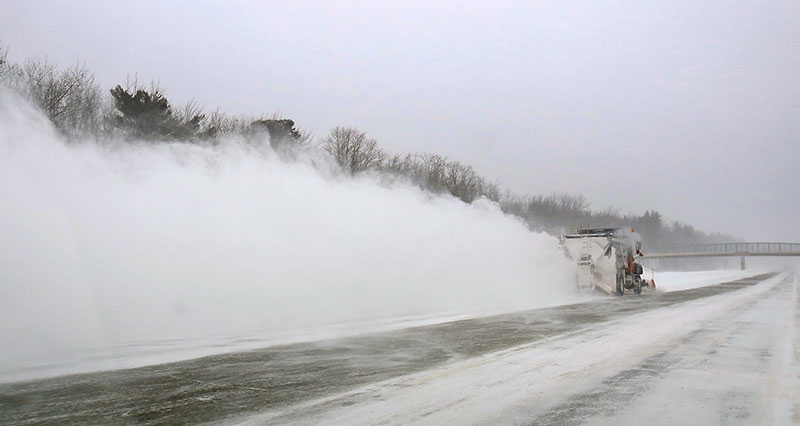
(741, 250)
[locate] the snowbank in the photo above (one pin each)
(675, 281)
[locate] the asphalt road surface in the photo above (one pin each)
(723, 354)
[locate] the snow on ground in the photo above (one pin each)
(153, 352)
(675, 281)
(605, 366)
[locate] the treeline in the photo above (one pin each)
(558, 213)
(78, 108)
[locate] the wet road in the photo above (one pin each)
(281, 380)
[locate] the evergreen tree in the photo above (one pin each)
(148, 115)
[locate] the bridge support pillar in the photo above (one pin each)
(741, 262)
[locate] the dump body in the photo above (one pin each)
(605, 260)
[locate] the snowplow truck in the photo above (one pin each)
(605, 260)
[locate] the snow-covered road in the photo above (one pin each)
(724, 353)
(729, 359)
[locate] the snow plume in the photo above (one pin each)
(108, 244)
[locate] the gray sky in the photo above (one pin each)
(689, 108)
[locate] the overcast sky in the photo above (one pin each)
(689, 108)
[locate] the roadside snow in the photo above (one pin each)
(154, 352)
(518, 384)
(675, 281)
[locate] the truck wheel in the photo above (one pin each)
(638, 288)
(620, 284)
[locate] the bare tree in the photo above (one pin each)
(438, 174)
(188, 112)
(432, 173)
(219, 124)
(306, 137)
(5, 67)
(492, 191)
(70, 98)
(353, 150)
(400, 165)
(462, 181)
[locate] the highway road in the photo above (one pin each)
(722, 354)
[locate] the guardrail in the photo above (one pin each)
(751, 248)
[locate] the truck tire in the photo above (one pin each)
(637, 288)
(620, 283)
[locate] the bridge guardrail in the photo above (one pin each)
(746, 247)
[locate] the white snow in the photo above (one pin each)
(675, 281)
(154, 352)
(158, 351)
(513, 386)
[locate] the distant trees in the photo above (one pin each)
(353, 150)
(9, 72)
(75, 105)
(4, 65)
(438, 174)
(554, 213)
(280, 131)
(218, 124)
(561, 213)
(651, 226)
(69, 97)
(147, 114)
